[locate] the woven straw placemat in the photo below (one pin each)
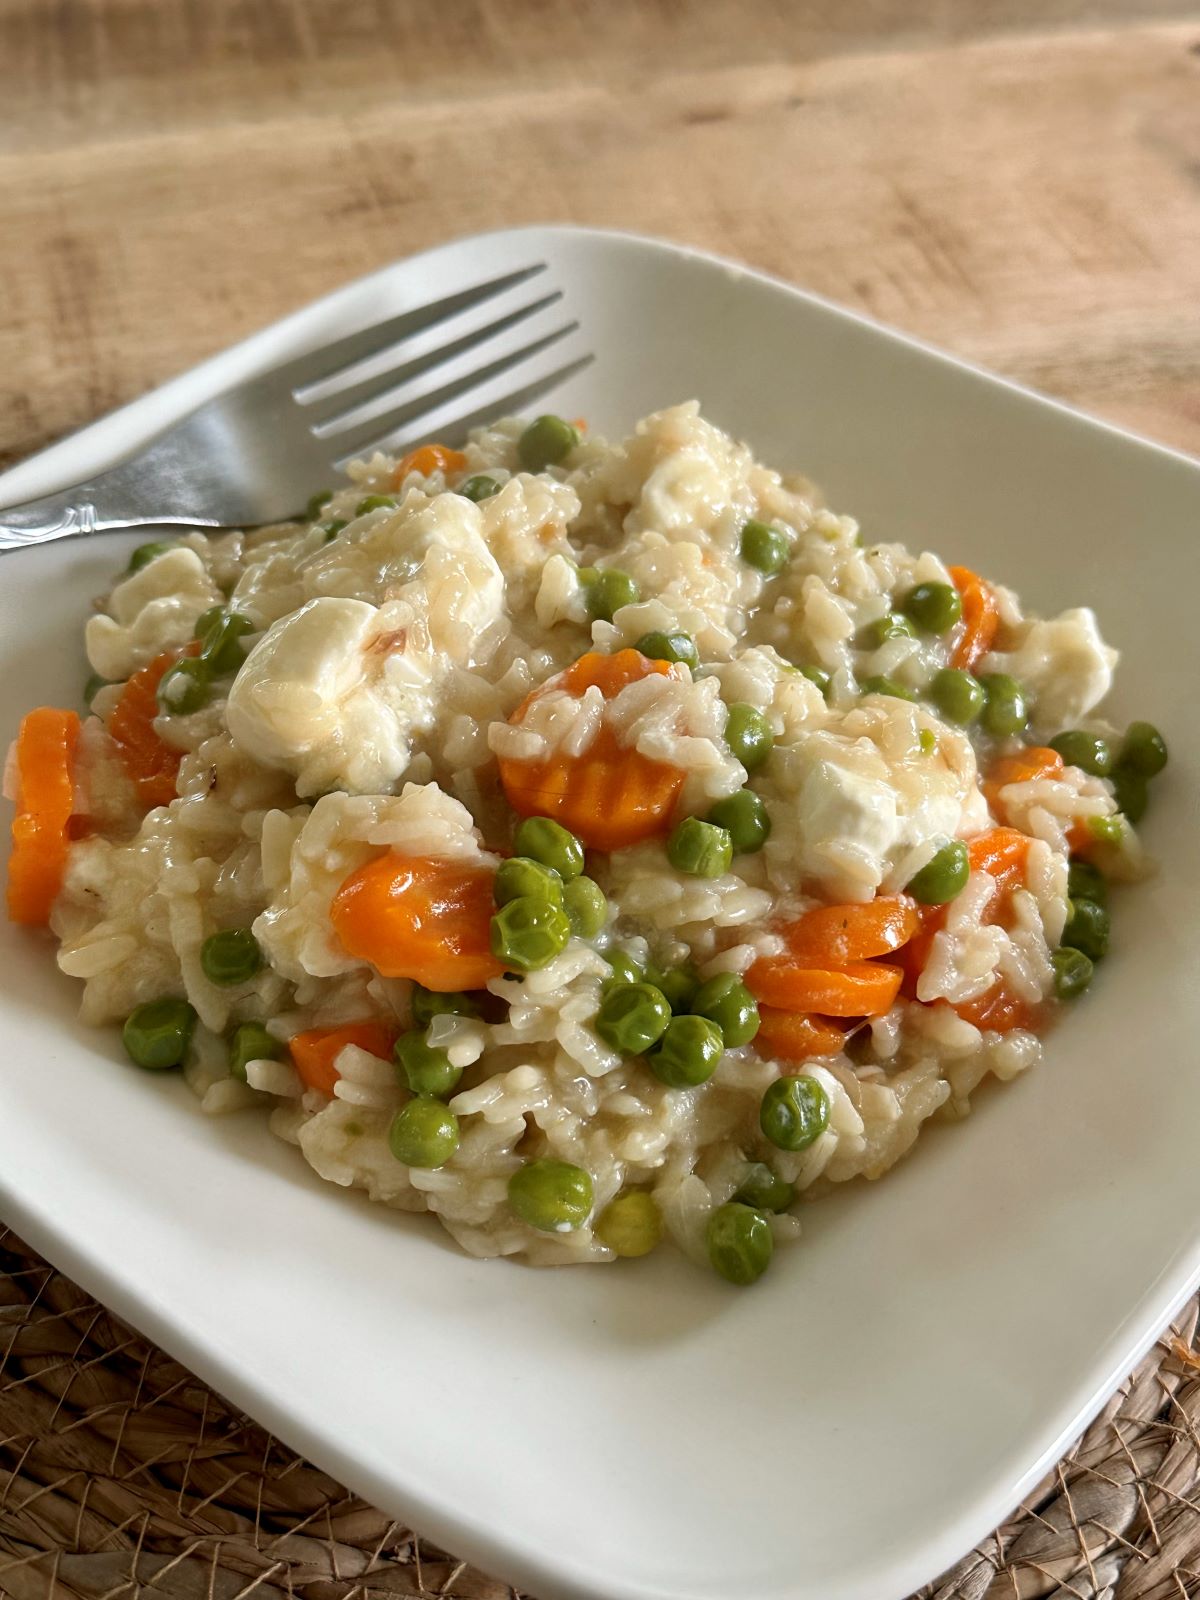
(123, 1476)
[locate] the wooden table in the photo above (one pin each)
(1018, 180)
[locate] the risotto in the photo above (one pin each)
(585, 842)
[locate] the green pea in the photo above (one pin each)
(231, 957)
(606, 590)
(632, 1017)
(895, 625)
(1005, 710)
(940, 879)
(794, 1112)
(426, 1070)
(552, 1196)
(631, 1225)
(316, 504)
(763, 1190)
(93, 687)
(934, 607)
(624, 968)
(1072, 972)
(1086, 882)
(748, 735)
(1132, 793)
(376, 502)
(522, 875)
(156, 1035)
(1087, 929)
(478, 488)
(958, 696)
(333, 527)
(1106, 830)
(206, 620)
(426, 1004)
(223, 650)
(744, 817)
(819, 676)
(700, 848)
(726, 1001)
(185, 687)
(670, 647)
(248, 1042)
(146, 553)
(547, 841)
(528, 933)
(763, 547)
(586, 907)
(740, 1243)
(689, 1052)
(1143, 750)
(1087, 751)
(927, 740)
(881, 685)
(546, 441)
(424, 1133)
(679, 985)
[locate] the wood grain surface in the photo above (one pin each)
(1017, 181)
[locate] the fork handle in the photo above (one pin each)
(105, 504)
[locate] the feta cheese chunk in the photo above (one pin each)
(153, 610)
(331, 694)
(1064, 665)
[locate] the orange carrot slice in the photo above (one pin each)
(998, 1010)
(427, 459)
(980, 618)
(1003, 853)
(859, 989)
(1034, 761)
(316, 1051)
(793, 1036)
(608, 795)
(832, 935)
(152, 765)
(421, 918)
(609, 674)
(46, 745)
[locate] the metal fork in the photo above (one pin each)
(256, 452)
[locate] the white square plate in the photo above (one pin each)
(853, 1424)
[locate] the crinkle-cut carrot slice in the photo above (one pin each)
(998, 1010)
(794, 1036)
(609, 674)
(420, 917)
(315, 1052)
(608, 795)
(46, 745)
(1003, 853)
(1034, 761)
(980, 618)
(858, 989)
(829, 936)
(427, 459)
(152, 765)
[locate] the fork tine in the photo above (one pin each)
(326, 362)
(455, 432)
(353, 441)
(340, 408)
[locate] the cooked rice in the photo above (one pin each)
(369, 716)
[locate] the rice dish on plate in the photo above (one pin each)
(586, 842)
